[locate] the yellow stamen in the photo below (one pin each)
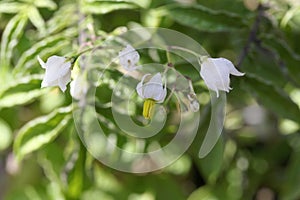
(148, 108)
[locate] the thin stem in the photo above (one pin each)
(80, 53)
(191, 86)
(252, 35)
(170, 64)
(170, 95)
(90, 49)
(183, 49)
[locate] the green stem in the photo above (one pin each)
(169, 57)
(80, 53)
(87, 50)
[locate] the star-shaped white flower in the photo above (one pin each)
(128, 58)
(58, 72)
(153, 92)
(215, 73)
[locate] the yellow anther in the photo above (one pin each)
(148, 108)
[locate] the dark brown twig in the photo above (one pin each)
(252, 35)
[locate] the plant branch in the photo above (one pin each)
(252, 38)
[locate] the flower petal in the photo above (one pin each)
(130, 68)
(154, 88)
(232, 69)
(55, 60)
(128, 58)
(208, 72)
(73, 89)
(156, 79)
(46, 83)
(139, 87)
(59, 63)
(215, 74)
(56, 68)
(135, 57)
(79, 87)
(126, 50)
(162, 96)
(41, 62)
(63, 81)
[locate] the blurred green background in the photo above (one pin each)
(258, 155)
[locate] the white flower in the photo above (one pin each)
(128, 58)
(58, 72)
(215, 73)
(79, 87)
(153, 89)
(153, 92)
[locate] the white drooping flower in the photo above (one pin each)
(128, 58)
(153, 92)
(58, 72)
(79, 87)
(215, 73)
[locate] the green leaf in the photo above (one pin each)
(11, 7)
(203, 193)
(51, 159)
(141, 3)
(36, 19)
(6, 135)
(151, 18)
(289, 15)
(57, 23)
(10, 37)
(284, 51)
(22, 91)
(76, 174)
(266, 70)
(29, 63)
(290, 190)
(49, 45)
(272, 98)
(15, 37)
(211, 165)
(106, 7)
(45, 4)
(40, 131)
(205, 19)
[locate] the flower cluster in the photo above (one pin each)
(214, 71)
